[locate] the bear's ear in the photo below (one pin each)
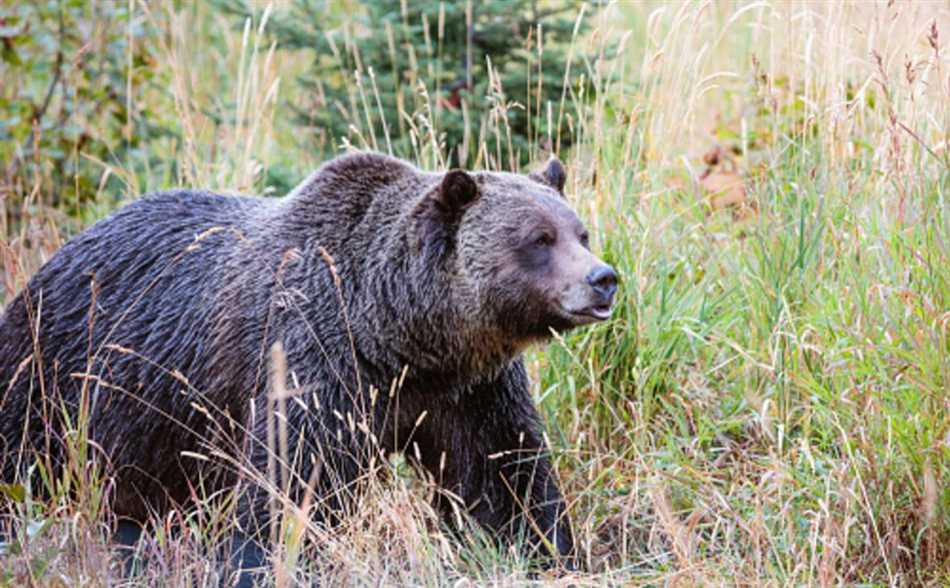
(553, 175)
(436, 218)
(456, 192)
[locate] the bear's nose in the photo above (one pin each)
(603, 279)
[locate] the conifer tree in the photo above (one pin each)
(469, 76)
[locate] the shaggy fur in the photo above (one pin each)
(403, 300)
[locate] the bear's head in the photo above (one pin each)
(521, 262)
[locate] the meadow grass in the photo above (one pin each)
(769, 404)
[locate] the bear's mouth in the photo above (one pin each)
(591, 314)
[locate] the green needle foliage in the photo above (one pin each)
(481, 80)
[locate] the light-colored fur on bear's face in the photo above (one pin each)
(525, 256)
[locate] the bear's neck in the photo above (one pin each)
(425, 329)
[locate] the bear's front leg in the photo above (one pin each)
(485, 446)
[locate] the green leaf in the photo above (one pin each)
(38, 566)
(15, 492)
(9, 55)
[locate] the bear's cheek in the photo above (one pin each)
(530, 278)
(535, 307)
(509, 294)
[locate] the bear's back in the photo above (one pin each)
(152, 239)
(142, 279)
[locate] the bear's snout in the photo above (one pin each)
(601, 288)
(589, 290)
(603, 279)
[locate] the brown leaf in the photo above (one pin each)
(724, 189)
(712, 156)
(675, 182)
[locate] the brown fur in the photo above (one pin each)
(371, 271)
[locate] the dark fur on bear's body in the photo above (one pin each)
(186, 291)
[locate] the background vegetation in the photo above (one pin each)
(770, 404)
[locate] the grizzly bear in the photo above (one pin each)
(403, 300)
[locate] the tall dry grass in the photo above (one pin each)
(769, 406)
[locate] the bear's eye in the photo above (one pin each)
(544, 240)
(585, 239)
